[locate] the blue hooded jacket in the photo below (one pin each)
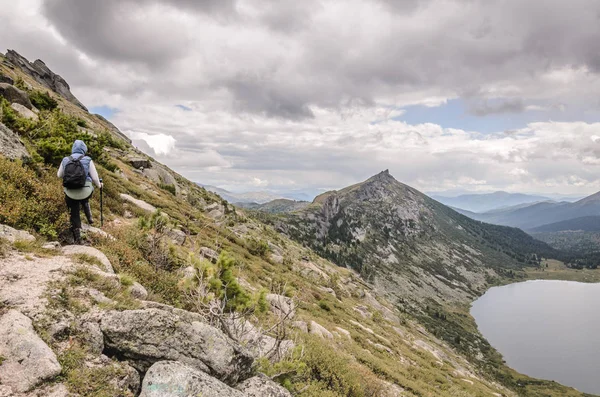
(78, 149)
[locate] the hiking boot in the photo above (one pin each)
(77, 236)
(88, 212)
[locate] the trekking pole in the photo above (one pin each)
(101, 206)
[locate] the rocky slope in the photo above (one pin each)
(182, 294)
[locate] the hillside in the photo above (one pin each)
(180, 293)
(585, 224)
(276, 206)
(488, 201)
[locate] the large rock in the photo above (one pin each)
(24, 112)
(282, 305)
(14, 95)
(12, 234)
(138, 291)
(139, 162)
(140, 203)
(43, 75)
(11, 145)
(89, 251)
(152, 335)
(174, 379)
(262, 386)
(319, 330)
(27, 360)
(6, 79)
(209, 254)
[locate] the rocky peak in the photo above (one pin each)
(43, 75)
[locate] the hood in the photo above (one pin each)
(79, 147)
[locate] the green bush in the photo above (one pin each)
(31, 201)
(257, 247)
(169, 188)
(42, 100)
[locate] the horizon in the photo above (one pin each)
(286, 98)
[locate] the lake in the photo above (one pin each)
(545, 329)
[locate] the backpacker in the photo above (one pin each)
(74, 176)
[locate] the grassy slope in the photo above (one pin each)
(342, 363)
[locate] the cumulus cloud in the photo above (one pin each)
(312, 94)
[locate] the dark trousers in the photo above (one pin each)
(75, 207)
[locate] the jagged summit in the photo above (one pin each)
(43, 75)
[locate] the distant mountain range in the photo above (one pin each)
(278, 206)
(529, 217)
(583, 224)
(488, 201)
(257, 197)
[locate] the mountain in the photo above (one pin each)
(408, 244)
(259, 197)
(179, 287)
(488, 201)
(277, 206)
(584, 224)
(543, 213)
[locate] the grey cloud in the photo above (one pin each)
(486, 107)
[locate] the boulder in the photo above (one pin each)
(282, 305)
(43, 75)
(52, 245)
(258, 343)
(24, 112)
(177, 236)
(11, 145)
(91, 336)
(14, 95)
(151, 335)
(89, 251)
(319, 330)
(301, 325)
(12, 235)
(175, 379)
(209, 254)
(6, 79)
(139, 162)
(27, 360)
(140, 203)
(344, 332)
(138, 291)
(262, 386)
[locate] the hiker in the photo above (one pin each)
(78, 172)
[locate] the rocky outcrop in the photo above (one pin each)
(174, 379)
(43, 75)
(209, 254)
(139, 162)
(27, 360)
(11, 145)
(282, 305)
(14, 95)
(6, 79)
(319, 330)
(89, 251)
(152, 335)
(12, 234)
(24, 112)
(138, 291)
(262, 386)
(140, 203)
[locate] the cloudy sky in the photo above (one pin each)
(449, 95)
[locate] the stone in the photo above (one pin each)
(52, 245)
(344, 332)
(216, 214)
(262, 386)
(6, 79)
(11, 145)
(278, 259)
(99, 297)
(282, 305)
(12, 235)
(329, 291)
(91, 335)
(43, 75)
(209, 254)
(140, 203)
(14, 95)
(28, 361)
(301, 325)
(138, 291)
(89, 251)
(151, 335)
(258, 343)
(139, 162)
(175, 379)
(94, 230)
(319, 330)
(188, 272)
(177, 236)
(24, 112)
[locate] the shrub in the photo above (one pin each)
(169, 188)
(42, 100)
(257, 247)
(30, 201)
